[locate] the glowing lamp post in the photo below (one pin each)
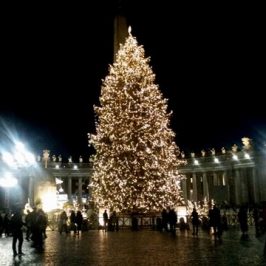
(7, 182)
(21, 158)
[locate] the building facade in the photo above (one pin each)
(232, 177)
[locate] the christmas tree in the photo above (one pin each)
(135, 165)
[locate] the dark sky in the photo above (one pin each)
(208, 60)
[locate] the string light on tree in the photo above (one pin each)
(135, 164)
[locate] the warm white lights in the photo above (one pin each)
(216, 160)
(20, 157)
(8, 180)
(235, 157)
(48, 197)
(134, 168)
(247, 156)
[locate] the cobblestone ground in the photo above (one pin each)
(139, 248)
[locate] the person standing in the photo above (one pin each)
(79, 221)
(62, 226)
(195, 221)
(243, 221)
(16, 227)
(105, 220)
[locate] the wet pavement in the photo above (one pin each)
(139, 248)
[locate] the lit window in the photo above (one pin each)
(235, 157)
(247, 156)
(216, 160)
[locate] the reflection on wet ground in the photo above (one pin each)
(140, 248)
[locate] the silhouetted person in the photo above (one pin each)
(195, 222)
(39, 225)
(6, 223)
(105, 220)
(114, 221)
(172, 220)
(164, 220)
(62, 225)
(79, 221)
(16, 227)
(134, 222)
(215, 221)
(73, 221)
(243, 220)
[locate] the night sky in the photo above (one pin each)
(208, 60)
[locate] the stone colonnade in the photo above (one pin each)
(235, 186)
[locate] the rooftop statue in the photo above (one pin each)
(234, 148)
(246, 143)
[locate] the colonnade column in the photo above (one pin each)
(226, 183)
(195, 190)
(237, 187)
(80, 190)
(184, 188)
(205, 187)
(69, 189)
(254, 184)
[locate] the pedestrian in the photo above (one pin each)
(243, 221)
(172, 221)
(16, 227)
(195, 221)
(164, 215)
(105, 220)
(79, 221)
(62, 226)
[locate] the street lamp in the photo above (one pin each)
(7, 182)
(20, 158)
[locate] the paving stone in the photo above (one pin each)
(143, 247)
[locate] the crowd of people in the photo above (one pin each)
(72, 222)
(214, 221)
(34, 223)
(14, 223)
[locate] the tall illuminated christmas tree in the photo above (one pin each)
(135, 165)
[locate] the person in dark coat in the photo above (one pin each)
(165, 220)
(105, 220)
(16, 227)
(172, 220)
(79, 221)
(243, 220)
(195, 221)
